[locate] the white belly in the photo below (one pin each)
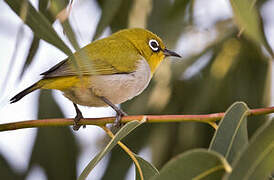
(117, 88)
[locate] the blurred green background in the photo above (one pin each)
(219, 66)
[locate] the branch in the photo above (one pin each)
(206, 118)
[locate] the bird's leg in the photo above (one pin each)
(119, 112)
(77, 118)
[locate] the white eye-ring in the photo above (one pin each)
(154, 45)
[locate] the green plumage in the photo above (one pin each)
(114, 70)
(101, 57)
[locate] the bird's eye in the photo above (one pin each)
(154, 45)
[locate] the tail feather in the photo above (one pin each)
(25, 92)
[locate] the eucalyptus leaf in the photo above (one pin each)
(256, 161)
(167, 20)
(121, 18)
(179, 7)
(39, 24)
(109, 10)
(31, 53)
(249, 21)
(50, 13)
(57, 7)
(231, 135)
(147, 168)
(70, 34)
(195, 164)
(7, 172)
(123, 132)
(118, 165)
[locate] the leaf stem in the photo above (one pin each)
(127, 150)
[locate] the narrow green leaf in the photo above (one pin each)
(178, 8)
(123, 132)
(7, 172)
(70, 34)
(50, 15)
(121, 18)
(118, 165)
(39, 25)
(250, 22)
(195, 164)
(256, 161)
(31, 53)
(109, 10)
(148, 169)
(13, 57)
(42, 5)
(231, 135)
(55, 8)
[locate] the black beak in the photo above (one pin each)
(170, 53)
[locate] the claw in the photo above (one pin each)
(119, 114)
(77, 118)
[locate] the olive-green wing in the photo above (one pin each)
(66, 68)
(102, 57)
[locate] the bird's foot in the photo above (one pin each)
(119, 114)
(77, 118)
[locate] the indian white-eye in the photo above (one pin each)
(108, 71)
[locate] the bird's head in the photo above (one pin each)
(149, 45)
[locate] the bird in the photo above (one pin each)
(106, 72)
